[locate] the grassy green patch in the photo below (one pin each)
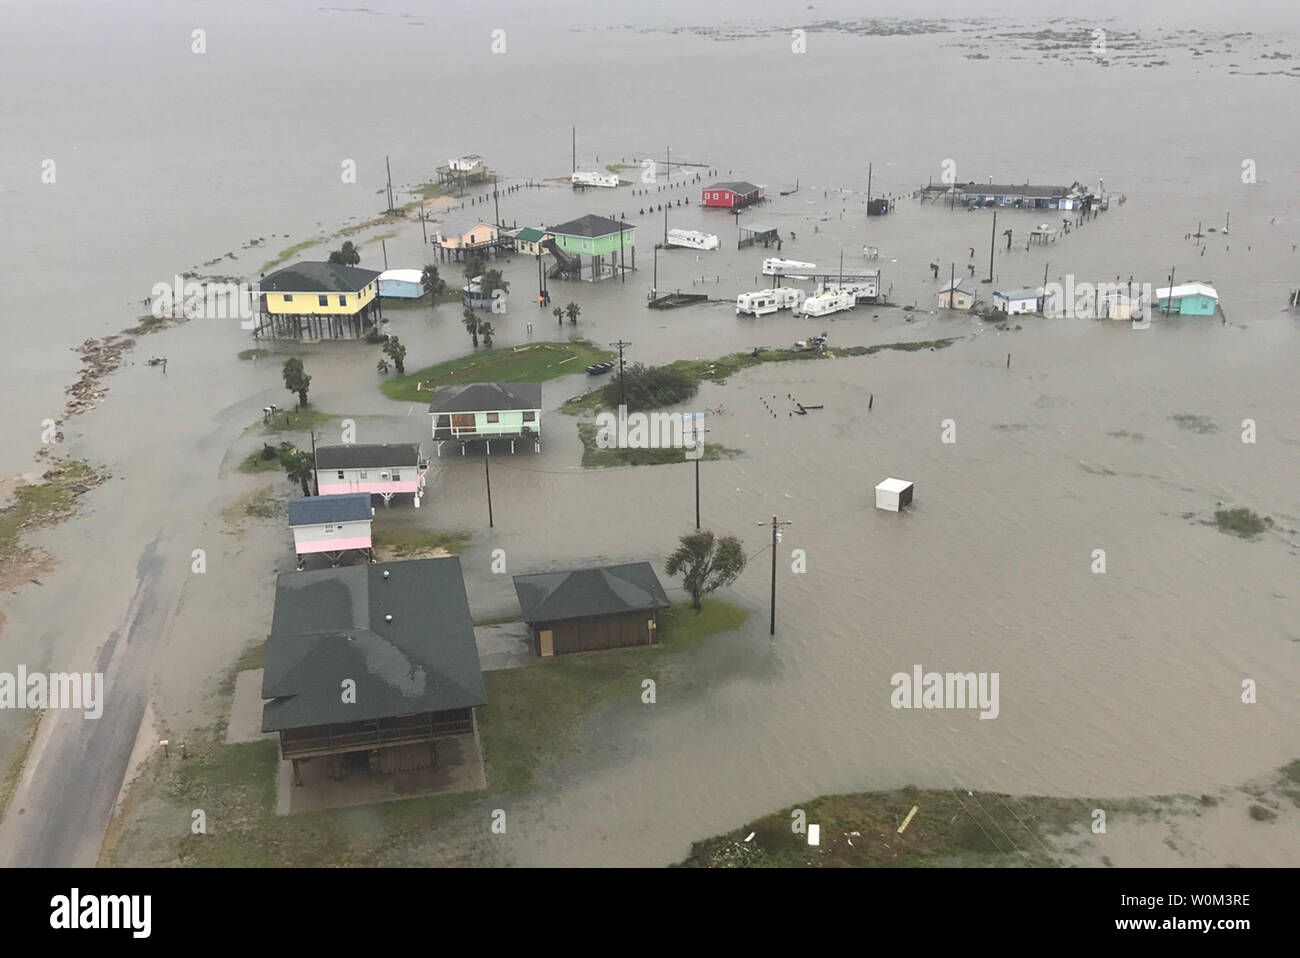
(246, 354)
(253, 463)
(298, 419)
(290, 251)
(949, 828)
(719, 370)
(620, 167)
(408, 543)
(534, 363)
(1240, 522)
(42, 503)
(532, 711)
(594, 457)
(9, 781)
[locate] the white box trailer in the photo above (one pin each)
(764, 301)
(893, 494)
(793, 268)
(693, 239)
(595, 179)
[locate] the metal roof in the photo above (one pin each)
(354, 456)
(1019, 294)
(333, 625)
(1187, 289)
(318, 278)
(591, 226)
(736, 186)
(318, 510)
(486, 397)
(606, 590)
(402, 275)
(530, 234)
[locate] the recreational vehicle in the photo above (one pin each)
(831, 301)
(692, 239)
(764, 301)
(864, 290)
(788, 267)
(595, 179)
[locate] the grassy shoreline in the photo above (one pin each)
(531, 363)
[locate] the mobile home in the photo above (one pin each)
(595, 179)
(692, 239)
(788, 267)
(764, 301)
(825, 303)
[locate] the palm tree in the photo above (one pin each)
(486, 329)
(395, 351)
(296, 379)
(434, 285)
(382, 366)
(573, 311)
(470, 319)
(297, 465)
(558, 313)
(347, 255)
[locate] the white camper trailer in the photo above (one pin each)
(830, 301)
(595, 179)
(788, 267)
(764, 301)
(692, 239)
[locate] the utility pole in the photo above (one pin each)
(423, 228)
(868, 189)
(390, 184)
(575, 150)
(777, 525)
(496, 203)
(993, 238)
(622, 389)
(666, 226)
(952, 285)
(669, 163)
(1170, 298)
(383, 245)
(315, 472)
(701, 430)
(654, 283)
(487, 474)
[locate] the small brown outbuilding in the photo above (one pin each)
(587, 609)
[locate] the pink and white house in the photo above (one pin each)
(381, 469)
(331, 525)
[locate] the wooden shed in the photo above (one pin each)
(583, 610)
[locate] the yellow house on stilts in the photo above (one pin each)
(315, 301)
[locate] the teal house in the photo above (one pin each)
(593, 247)
(1189, 299)
(483, 412)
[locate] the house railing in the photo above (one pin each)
(487, 429)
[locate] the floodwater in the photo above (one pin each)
(1121, 684)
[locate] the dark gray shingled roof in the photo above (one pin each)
(736, 186)
(356, 456)
(329, 625)
(1000, 189)
(551, 596)
(590, 225)
(317, 278)
(486, 397)
(314, 510)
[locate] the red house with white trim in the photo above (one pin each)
(731, 195)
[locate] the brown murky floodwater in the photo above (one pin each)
(1121, 684)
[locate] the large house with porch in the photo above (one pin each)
(591, 247)
(486, 411)
(331, 526)
(459, 238)
(372, 669)
(318, 301)
(378, 469)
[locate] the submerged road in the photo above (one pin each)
(64, 801)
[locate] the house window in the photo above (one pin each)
(383, 475)
(288, 297)
(331, 528)
(343, 300)
(530, 416)
(323, 300)
(340, 473)
(397, 475)
(494, 417)
(363, 473)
